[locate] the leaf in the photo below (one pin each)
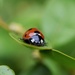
(55, 54)
(5, 70)
(17, 37)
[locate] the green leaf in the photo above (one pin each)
(55, 54)
(5, 70)
(17, 37)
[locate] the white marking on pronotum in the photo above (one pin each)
(41, 41)
(32, 40)
(39, 34)
(35, 33)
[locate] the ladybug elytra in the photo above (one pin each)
(34, 37)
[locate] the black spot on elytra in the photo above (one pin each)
(25, 35)
(36, 32)
(30, 29)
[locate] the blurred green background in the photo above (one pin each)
(56, 20)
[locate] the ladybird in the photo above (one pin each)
(34, 37)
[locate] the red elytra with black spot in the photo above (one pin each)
(34, 37)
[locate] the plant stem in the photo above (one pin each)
(4, 25)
